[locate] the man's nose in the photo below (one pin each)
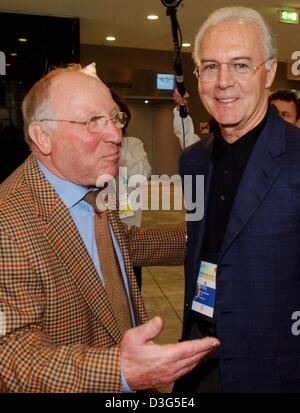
(115, 133)
(225, 76)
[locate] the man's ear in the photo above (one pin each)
(40, 138)
(271, 73)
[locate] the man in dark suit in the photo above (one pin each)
(242, 265)
(71, 314)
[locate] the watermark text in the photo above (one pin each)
(296, 65)
(160, 192)
(296, 324)
(2, 324)
(2, 64)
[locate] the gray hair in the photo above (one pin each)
(244, 13)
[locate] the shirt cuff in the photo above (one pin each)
(125, 387)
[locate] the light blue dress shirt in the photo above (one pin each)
(83, 216)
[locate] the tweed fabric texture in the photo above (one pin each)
(146, 246)
(61, 335)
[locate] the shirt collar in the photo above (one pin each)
(69, 192)
(240, 148)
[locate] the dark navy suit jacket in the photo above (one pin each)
(258, 276)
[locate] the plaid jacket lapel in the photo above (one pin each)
(68, 246)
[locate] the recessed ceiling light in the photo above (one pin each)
(186, 45)
(146, 101)
(13, 54)
(152, 17)
(110, 38)
(22, 40)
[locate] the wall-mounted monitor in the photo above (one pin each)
(165, 81)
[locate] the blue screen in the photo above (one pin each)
(165, 81)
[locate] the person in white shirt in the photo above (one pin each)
(183, 127)
(134, 158)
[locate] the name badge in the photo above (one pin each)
(205, 294)
(125, 207)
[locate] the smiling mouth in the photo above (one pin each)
(227, 101)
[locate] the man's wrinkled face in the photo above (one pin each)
(77, 154)
(234, 102)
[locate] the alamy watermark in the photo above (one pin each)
(296, 65)
(296, 324)
(161, 192)
(2, 64)
(2, 324)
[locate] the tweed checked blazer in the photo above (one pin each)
(61, 335)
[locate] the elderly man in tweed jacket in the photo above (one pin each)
(59, 333)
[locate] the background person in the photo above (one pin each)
(183, 127)
(134, 158)
(286, 103)
(298, 111)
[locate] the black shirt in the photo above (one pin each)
(229, 162)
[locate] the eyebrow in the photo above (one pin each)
(96, 115)
(234, 58)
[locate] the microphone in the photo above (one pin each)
(171, 11)
(180, 86)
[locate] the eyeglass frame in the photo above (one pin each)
(252, 72)
(88, 122)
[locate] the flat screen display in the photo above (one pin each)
(165, 81)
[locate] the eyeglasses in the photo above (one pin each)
(97, 123)
(240, 69)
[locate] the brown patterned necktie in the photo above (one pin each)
(114, 284)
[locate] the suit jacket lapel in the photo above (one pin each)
(201, 165)
(69, 247)
(259, 175)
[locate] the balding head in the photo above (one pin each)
(67, 103)
(68, 90)
(36, 105)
